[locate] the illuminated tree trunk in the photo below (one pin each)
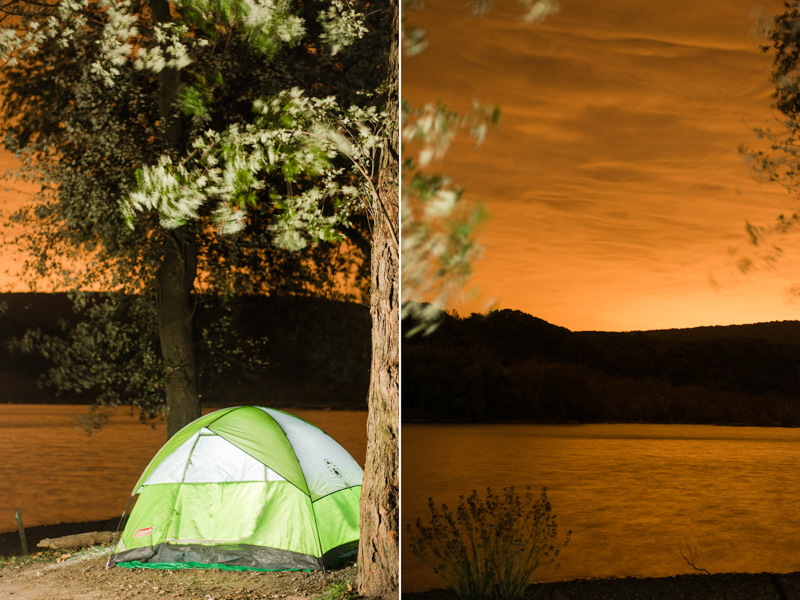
(176, 276)
(378, 552)
(175, 279)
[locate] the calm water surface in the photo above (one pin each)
(56, 473)
(633, 495)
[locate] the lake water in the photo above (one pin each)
(633, 495)
(56, 473)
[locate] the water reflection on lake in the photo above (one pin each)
(56, 473)
(633, 495)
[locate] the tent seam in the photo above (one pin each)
(266, 465)
(310, 500)
(349, 487)
(223, 411)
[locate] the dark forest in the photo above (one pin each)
(510, 366)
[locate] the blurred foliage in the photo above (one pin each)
(439, 246)
(781, 162)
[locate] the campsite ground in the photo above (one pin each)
(82, 575)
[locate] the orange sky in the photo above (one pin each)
(613, 181)
(10, 199)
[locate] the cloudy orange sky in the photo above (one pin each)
(617, 196)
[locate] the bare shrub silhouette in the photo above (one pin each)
(489, 546)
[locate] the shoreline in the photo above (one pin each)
(10, 544)
(694, 586)
(336, 406)
(526, 422)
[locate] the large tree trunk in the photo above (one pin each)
(176, 276)
(378, 552)
(175, 280)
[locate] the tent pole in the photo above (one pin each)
(119, 525)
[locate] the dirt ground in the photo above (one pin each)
(82, 575)
(719, 586)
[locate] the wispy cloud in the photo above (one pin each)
(613, 181)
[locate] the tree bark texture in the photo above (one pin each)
(378, 552)
(175, 280)
(176, 275)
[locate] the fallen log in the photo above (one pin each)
(78, 540)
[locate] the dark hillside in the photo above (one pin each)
(787, 332)
(508, 365)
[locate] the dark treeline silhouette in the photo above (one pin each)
(508, 365)
(317, 352)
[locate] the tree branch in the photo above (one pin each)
(693, 557)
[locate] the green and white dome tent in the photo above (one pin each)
(244, 488)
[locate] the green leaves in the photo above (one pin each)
(113, 352)
(293, 134)
(341, 26)
(192, 100)
(265, 25)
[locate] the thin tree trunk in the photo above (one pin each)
(176, 276)
(378, 552)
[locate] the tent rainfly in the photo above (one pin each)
(244, 488)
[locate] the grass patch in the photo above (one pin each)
(341, 590)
